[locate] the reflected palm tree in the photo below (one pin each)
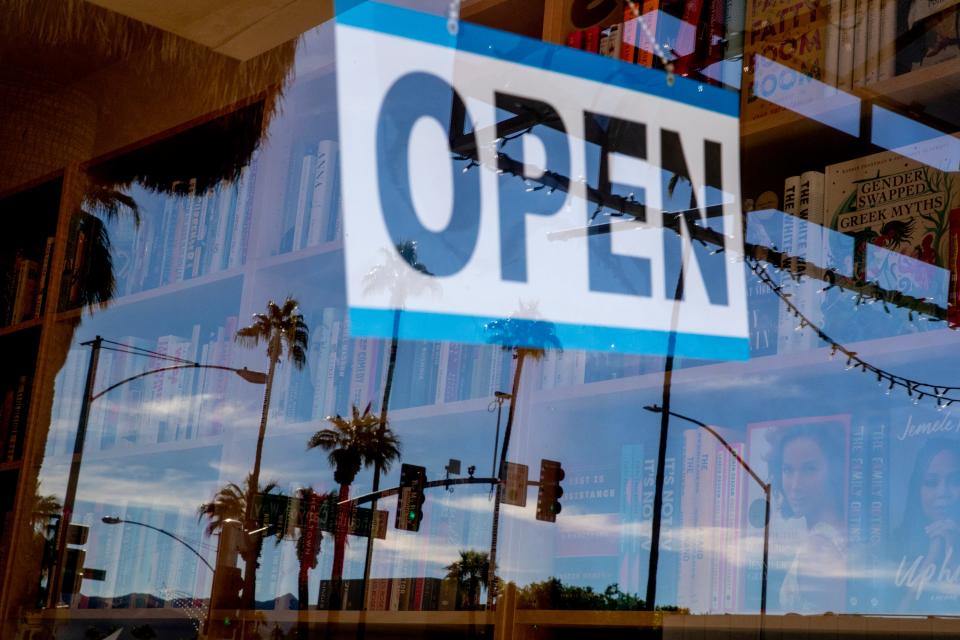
(525, 337)
(308, 542)
(92, 281)
(358, 442)
(393, 275)
(470, 573)
(285, 333)
(231, 505)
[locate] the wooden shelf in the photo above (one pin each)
(12, 465)
(22, 326)
(934, 90)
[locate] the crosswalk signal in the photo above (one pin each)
(411, 497)
(550, 491)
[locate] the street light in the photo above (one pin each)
(766, 494)
(253, 377)
(118, 520)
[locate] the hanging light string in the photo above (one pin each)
(609, 205)
(916, 389)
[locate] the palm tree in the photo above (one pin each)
(360, 441)
(308, 547)
(285, 333)
(233, 504)
(525, 338)
(469, 573)
(393, 275)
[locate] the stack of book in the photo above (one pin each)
(840, 43)
(690, 35)
(15, 398)
(25, 286)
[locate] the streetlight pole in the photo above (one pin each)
(663, 411)
(117, 520)
(56, 583)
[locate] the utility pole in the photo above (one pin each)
(56, 586)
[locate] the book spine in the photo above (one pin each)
(611, 40)
(324, 202)
(860, 35)
(628, 47)
(786, 322)
(887, 49)
(304, 194)
(575, 39)
(44, 272)
(831, 55)
(879, 503)
(18, 420)
(591, 39)
(847, 21)
(686, 39)
(647, 32)
(953, 263)
(873, 40)
(688, 512)
(706, 508)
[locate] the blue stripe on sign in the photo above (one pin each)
(421, 325)
(510, 47)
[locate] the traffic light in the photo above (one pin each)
(411, 497)
(550, 491)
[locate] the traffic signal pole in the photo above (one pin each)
(56, 584)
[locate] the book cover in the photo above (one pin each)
(928, 34)
(805, 460)
(897, 210)
(920, 574)
(781, 32)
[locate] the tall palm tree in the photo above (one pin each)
(354, 443)
(469, 573)
(525, 338)
(393, 275)
(285, 333)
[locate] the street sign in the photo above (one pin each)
(284, 514)
(94, 574)
(515, 489)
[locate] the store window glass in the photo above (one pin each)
(457, 319)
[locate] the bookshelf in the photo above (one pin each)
(272, 263)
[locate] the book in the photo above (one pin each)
(828, 437)
(631, 34)
(860, 35)
(831, 54)
(847, 27)
(610, 41)
(886, 47)
(647, 33)
(898, 211)
(928, 34)
(44, 272)
(874, 43)
(779, 32)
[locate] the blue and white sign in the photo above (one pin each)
(488, 176)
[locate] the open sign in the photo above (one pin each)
(493, 176)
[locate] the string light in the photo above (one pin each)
(916, 390)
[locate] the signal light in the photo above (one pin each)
(411, 498)
(550, 491)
